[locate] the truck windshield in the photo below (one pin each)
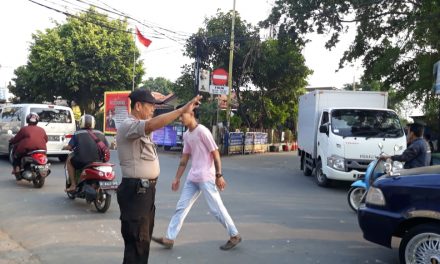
(365, 123)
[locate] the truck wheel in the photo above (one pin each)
(421, 245)
(320, 177)
(167, 147)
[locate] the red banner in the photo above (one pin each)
(146, 42)
(116, 110)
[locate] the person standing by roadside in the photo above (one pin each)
(140, 170)
(76, 112)
(205, 176)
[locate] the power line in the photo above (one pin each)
(99, 23)
(134, 19)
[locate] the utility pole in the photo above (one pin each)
(231, 60)
(197, 67)
(134, 61)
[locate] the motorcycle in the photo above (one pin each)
(34, 168)
(95, 182)
(375, 169)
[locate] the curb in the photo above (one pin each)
(12, 252)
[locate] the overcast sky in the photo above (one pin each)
(163, 58)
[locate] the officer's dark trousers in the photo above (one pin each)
(137, 220)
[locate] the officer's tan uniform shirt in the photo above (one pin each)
(136, 151)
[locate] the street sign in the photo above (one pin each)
(218, 89)
(219, 77)
(204, 81)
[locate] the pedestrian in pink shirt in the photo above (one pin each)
(205, 176)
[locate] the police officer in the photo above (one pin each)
(418, 153)
(140, 169)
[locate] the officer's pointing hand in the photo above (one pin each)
(194, 103)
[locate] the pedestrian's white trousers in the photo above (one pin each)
(190, 192)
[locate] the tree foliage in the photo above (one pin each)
(159, 84)
(212, 44)
(79, 60)
(280, 74)
(184, 85)
(397, 41)
(267, 76)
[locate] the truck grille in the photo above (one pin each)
(355, 164)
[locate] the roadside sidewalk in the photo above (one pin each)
(12, 252)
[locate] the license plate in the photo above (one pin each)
(108, 185)
(42, 167)
(53, 138)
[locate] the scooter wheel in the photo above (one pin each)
(355, 196)
(103, 201)
(38, 182)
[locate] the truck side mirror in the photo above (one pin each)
(323, 129)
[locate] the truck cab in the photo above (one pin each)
(338, 133)
(347, 141)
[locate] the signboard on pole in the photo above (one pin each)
(204, 81)
(219, 77)
(217, 89)
(116, 110)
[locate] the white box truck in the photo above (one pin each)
(339, 133)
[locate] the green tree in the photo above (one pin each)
(159, 84)
(79, 60)
(212, 44)
(397, 41)
(184, 86)
(280, 75)
(267, 77)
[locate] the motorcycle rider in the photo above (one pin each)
(28, 138)
(85, 150)
(418, 153)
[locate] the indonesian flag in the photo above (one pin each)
(146, 42)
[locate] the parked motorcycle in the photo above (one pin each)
(95, 182)
(375, 169)
(34, 168)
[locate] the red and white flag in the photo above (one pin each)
(146, 42)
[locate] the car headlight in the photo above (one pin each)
(375, 196)
(336, 162)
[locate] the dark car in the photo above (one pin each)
(405, 205)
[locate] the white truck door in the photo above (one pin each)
(323, 138)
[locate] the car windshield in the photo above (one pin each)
(50, 115)
(365, 123)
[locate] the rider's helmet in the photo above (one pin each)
(32, 118)
(87, 122)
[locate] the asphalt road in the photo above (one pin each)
(282, 216)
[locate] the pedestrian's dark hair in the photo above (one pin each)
(195, 110)
(417, 129)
